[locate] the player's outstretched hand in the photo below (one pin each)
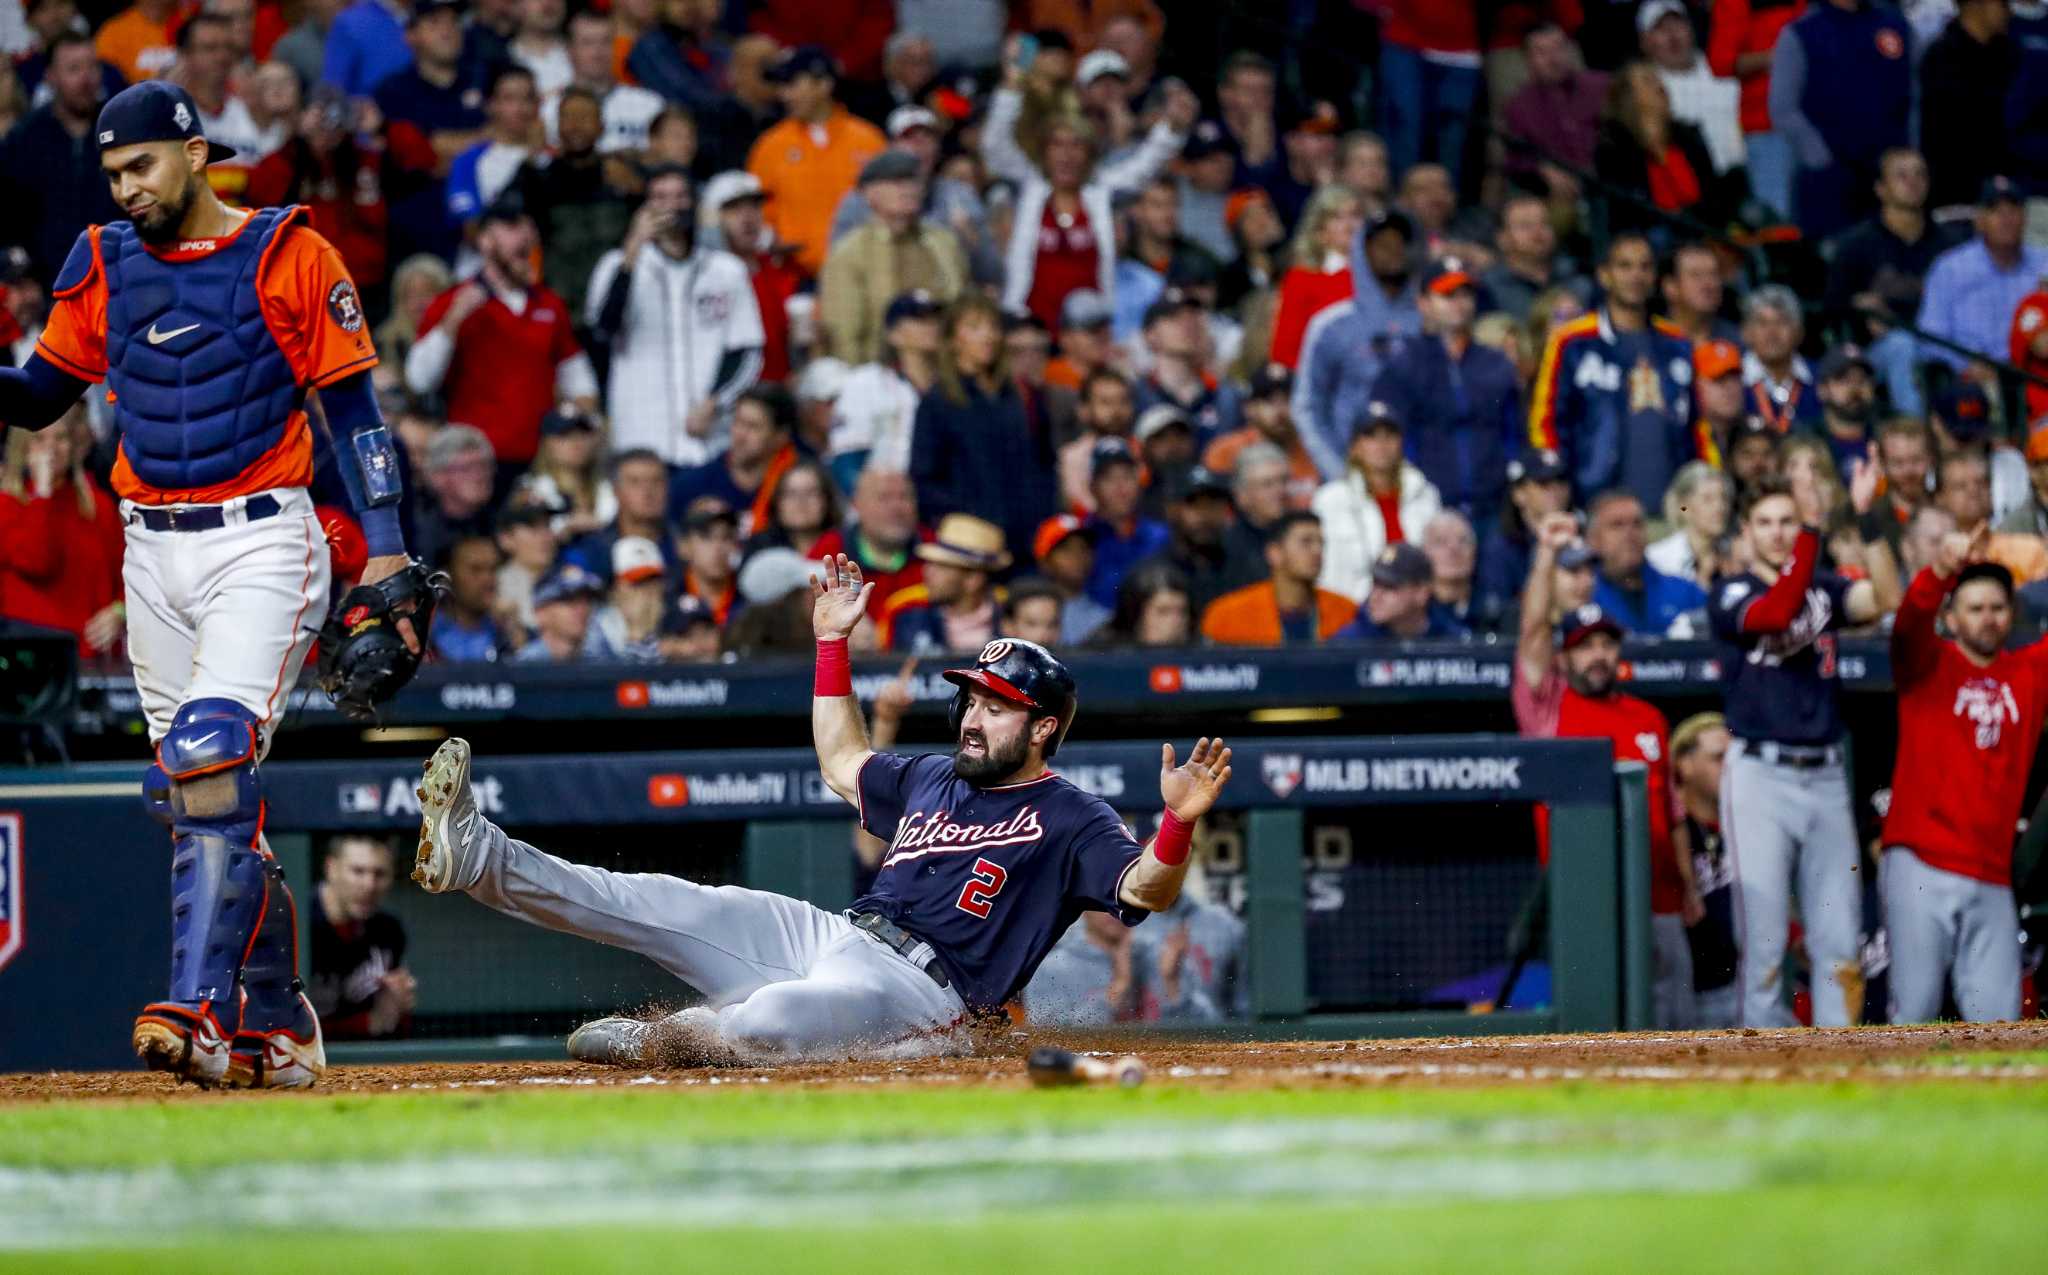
(1189, 790)
(839, 600)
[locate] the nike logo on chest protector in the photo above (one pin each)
(158, 338)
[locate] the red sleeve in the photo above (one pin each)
(1724, 38)
(410, 147)
(2026, 325)
(1772, 611)
(564, 346)
(1537, 708)
(436, 309)
(1916, 649)
(1289, 323)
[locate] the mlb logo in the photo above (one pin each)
(11, 933)
(361, 799)
(1380, 673)
(1282, 772)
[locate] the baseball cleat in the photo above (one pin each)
(183, 1041)
(449, 824)
(282, 1059)
(612, 1042)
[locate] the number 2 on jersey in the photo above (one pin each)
(980, 892)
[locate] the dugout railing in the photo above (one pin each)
(92, 904)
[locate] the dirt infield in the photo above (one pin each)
(1743, 1056)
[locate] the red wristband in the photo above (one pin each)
(1171, 845)
(834, 674)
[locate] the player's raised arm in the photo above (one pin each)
(1188, 791)
(837, 604)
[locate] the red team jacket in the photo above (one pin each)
(1966, 740)
(1553, 710)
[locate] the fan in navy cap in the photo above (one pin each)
(1124, 535)
(1400, 607)
(1567, 685)
(1538, 483)
(210, 326)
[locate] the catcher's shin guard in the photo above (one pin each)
(278, 1045)
(217, 888)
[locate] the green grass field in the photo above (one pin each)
(1937, 1175)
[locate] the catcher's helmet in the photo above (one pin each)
(1023, 673)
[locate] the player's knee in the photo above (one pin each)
(209, 756)
(156, 794)
(755, 1027)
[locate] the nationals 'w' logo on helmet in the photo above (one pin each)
(1023, 673)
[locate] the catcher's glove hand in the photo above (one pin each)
(363, 659)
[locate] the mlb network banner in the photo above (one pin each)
(1115, 682)
(771, 783)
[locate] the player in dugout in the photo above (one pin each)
(991, 856)
(1968, 707)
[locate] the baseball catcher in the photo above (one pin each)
(991, 857)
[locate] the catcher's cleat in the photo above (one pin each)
(184, 1041)
(451, 830)
(292, 1057)
(611, 1042)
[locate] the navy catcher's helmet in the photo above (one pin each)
(1023, 673)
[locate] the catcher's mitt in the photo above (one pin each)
(363, 659)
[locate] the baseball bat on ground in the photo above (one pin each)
(1050, 1065)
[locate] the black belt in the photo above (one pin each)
(1797, 756)
(900, 941)
(203, 517)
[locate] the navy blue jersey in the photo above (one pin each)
(990, 877)
(1782, 686)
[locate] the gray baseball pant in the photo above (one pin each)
(785, 980)
(1945, 926)
(1787, 824)
(1671, 994)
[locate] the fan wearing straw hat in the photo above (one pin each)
(955, 609)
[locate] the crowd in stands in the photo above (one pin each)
(1075, 321)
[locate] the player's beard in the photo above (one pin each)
(165, 223)
(995, 764)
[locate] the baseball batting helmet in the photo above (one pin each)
(1023, 673)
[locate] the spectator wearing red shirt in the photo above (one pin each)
(499, 349)
(2030, 348)
(60, 538)
(1552, 120)
(1565, 687)
(735, 199)
(1740, 39)
(1970, 714)
(1321, 274)
(341, 181)
(883, 536)
(854, 30)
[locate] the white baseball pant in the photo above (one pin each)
(1945, 926)
(1785, 823)
(227, 613)
(786, 981)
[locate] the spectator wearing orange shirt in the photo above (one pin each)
(808, 162)
(137, 40)
(1286, 607)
